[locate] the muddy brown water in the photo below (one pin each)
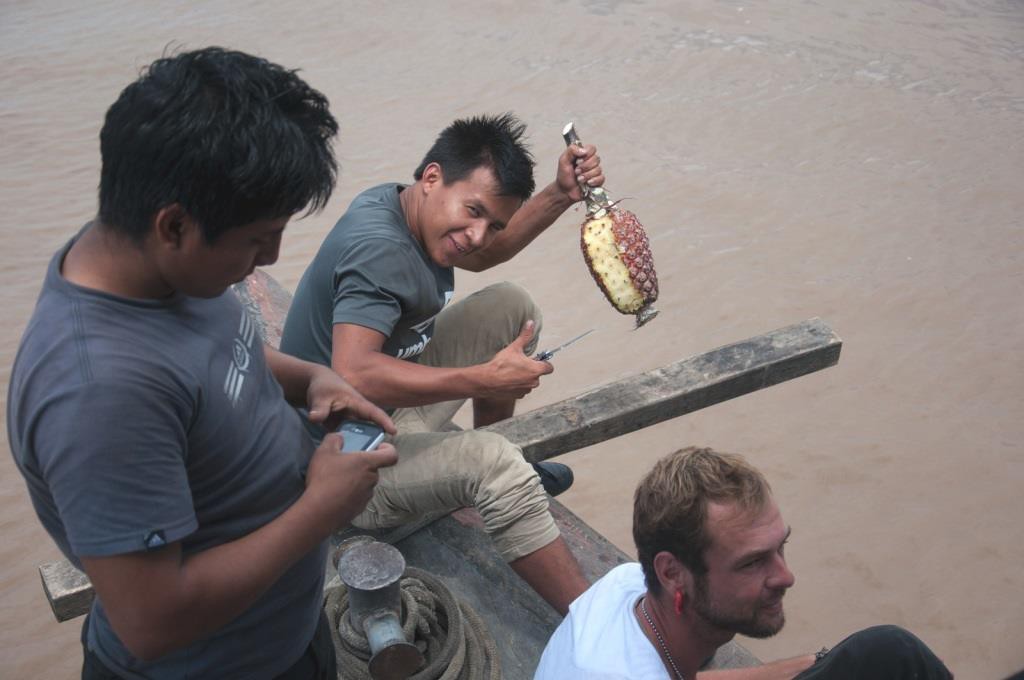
(861, 162)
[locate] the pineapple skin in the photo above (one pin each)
(618, 255)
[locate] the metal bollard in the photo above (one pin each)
(372, 571)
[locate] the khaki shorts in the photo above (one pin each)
(443, 468)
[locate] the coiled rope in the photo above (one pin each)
(452, 637)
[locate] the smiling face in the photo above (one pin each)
(454, 220)
(747, 575)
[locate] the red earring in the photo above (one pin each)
(679, 602)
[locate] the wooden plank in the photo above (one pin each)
(639, 401)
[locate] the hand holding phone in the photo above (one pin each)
(340, 486)
(360, 435)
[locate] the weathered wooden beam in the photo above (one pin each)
(639, 401)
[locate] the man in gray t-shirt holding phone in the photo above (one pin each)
(373, 305)
(152, 426)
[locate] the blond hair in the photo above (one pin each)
(670, 504)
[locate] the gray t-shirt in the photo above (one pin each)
(138, 423)
(370, 271)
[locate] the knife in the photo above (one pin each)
(548, 353)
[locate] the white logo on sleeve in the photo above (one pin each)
(241, 358)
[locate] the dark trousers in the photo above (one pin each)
(879, 653)
(316, 663)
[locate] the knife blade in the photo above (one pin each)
(548, 353)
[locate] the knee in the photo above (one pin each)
(504, 482)
(514, 299)
(492, 457)
(887, 638)
(511, 500)
(894, 647)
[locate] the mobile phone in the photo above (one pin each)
(360, 435)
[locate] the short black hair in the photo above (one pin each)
(230, 137)
(492, 141)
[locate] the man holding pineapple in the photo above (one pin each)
(372, 306)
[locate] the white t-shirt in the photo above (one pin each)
(600, 639)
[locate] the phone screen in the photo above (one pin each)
(360, 435)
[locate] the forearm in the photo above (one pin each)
(396, 383)
(220, 583)
(292, 373)
(529, 222)
(192, 598)
(776, 670)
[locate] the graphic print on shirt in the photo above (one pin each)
(425, 331)
(241, 358)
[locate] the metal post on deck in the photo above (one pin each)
(372, 571)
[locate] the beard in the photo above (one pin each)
(758, 623)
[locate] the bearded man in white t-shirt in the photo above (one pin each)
(711, 544)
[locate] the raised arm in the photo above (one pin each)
(391, 382)
(575, 165)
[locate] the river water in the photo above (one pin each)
(861, 162)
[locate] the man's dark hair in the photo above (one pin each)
(492, 141)
(230, 137)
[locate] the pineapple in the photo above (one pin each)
(617, 252)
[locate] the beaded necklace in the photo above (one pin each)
(661, 640)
